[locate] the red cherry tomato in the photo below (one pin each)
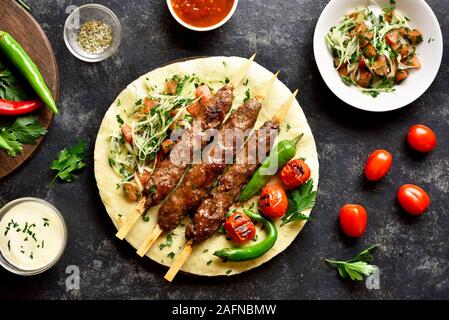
(353, 220)
(239, 227)
(295, 173)
(273, 201)
(413, 199)
(127, 133)
(421, 138)
(378, 164)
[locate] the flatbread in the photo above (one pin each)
(202, 261)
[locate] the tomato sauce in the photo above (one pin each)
(202, 13)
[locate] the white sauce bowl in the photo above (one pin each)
(54, 212)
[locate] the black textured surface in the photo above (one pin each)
(413, 256)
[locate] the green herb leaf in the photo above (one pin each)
(356, 267)
(10, 86)
(247, 95)
(299, 199)
(171, 255)
(24, 130)
(68, 161)
(27, 129)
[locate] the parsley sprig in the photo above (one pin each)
(299, 199)
(68, 161)
(357, 267)
(24, 130)
(11, 88)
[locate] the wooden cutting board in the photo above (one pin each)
(21, 25)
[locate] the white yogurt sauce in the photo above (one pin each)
(31, 235)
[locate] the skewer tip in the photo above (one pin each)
(282, 112)
(242, 72)
(263, 93)
(179, 261)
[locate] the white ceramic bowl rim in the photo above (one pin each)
(111, 50)
(430, 53)
(215, 26)
(11, 268)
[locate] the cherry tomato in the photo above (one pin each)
(378, 164)
(143, 176)
(413, 199)
(295, 173)
(148, 105)
(131, 192)
(127, 133)
(240, 227)
(421, 138)
(273, 201)
(167, 145)
(353, 220)
(203, 92)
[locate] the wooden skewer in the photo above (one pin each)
(151, 239)
(282, 112)
(132, 219)
(242, 72)
(187, 250)
(140, 209)
(263, 93)
(179, 262)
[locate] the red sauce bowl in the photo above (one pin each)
(202, 15)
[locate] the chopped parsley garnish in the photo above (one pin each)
(247, 95)
(168, 242)
(171, 255)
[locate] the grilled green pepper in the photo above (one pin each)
(255, 251)
(279, 156)
(20, 59)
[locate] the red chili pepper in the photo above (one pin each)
(14, 108)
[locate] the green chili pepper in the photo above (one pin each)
(20, 59)
(279, 156)
(255, 251)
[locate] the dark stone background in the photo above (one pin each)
(413, 255)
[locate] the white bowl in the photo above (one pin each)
(430, 55)
(215, 26)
